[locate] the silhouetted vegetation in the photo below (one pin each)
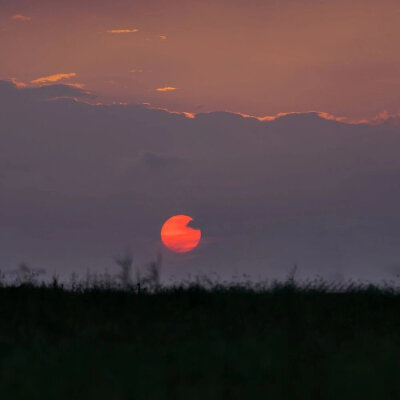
(107, 338)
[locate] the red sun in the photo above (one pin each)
(177, 236)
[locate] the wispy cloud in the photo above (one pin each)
(163, 37)
(53, 78)
(76, 85)
(18, 83)
(134, 70)
(119, 31)
(166, 89)
(381, 117)
(20, 17)
(186, 114)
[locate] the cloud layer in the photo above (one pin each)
(80, 183)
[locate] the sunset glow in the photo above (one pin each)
(253, 58)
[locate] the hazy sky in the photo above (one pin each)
(250, 56)
(80, 183)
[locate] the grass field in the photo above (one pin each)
(234, 342)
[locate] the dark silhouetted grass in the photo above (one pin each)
(225, 342)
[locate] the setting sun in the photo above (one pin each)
(177, 236)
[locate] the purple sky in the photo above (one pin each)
(80, 183)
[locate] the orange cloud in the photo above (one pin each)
(136, 70)
(166, 89)
(53, 78)
(18, 83)
(163, 37)
(20, 17)
(383, 116)
(123, 31)
(186, 114)
(76, 85)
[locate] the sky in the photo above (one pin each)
(254, 57)
(273, 124)
(82, 183)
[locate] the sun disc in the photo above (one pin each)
(177, 236)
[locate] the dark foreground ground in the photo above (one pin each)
(282, 343)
